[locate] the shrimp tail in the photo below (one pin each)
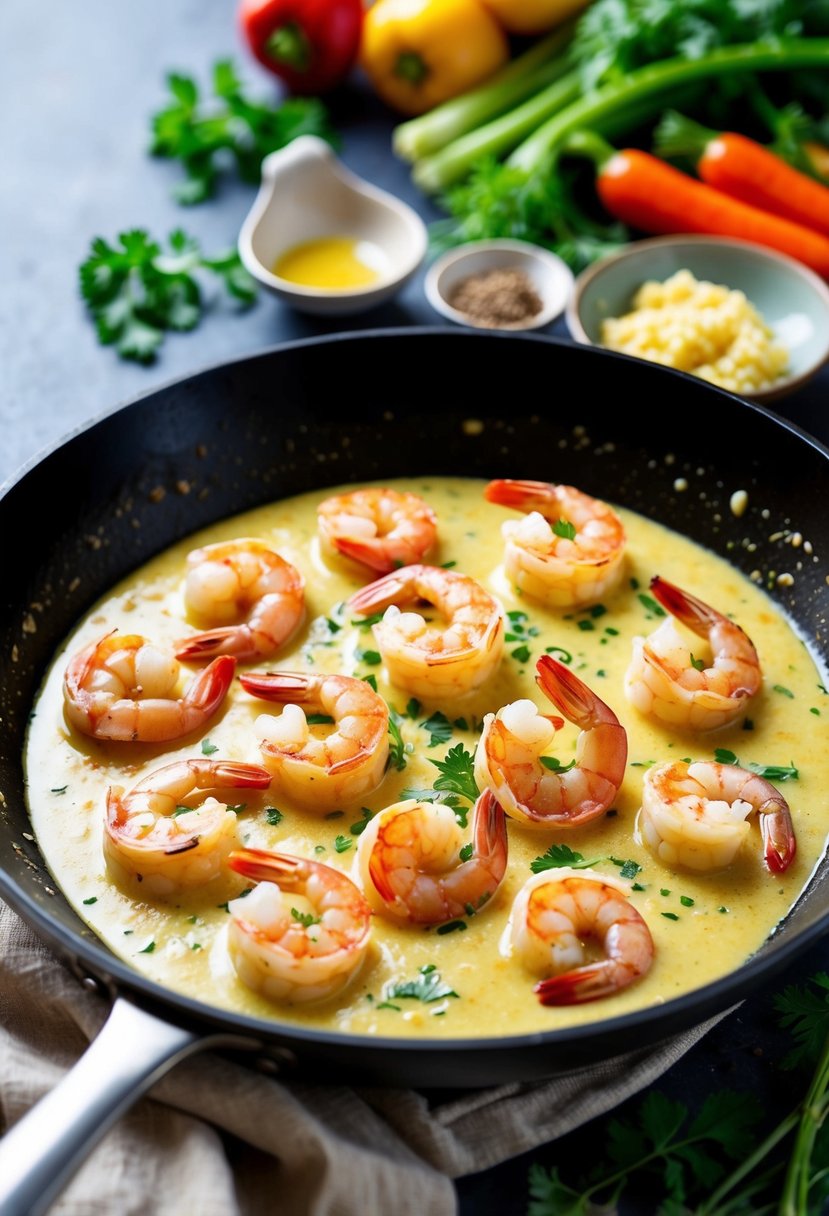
(207, 689)
(211, 643)
(523, 495)
(276, 685)
(779, 843)
(489, 828)
(383, 592)
(239, 776)
(368, 553)
(582, 984)
(262, 866)
(577, 702)
(694, 613)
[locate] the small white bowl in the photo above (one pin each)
(551, 277)
(793, 300)
(307, 193)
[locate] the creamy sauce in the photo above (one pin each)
(703, 926)
(335, 263)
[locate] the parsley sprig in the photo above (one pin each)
(427, 987)
(206, 134)
(710, 1164)
(136, 292)
(771, 772)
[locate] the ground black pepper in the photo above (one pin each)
(504, 296)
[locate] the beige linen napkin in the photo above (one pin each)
(217, 1138)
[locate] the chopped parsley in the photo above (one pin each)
(771, 772)
(457, 773)
(273, 816)
(306, 919)
(439, 728)
(427, 987)
(208, 748)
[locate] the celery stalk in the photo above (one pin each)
(523, 76)
(648, 86)
(434, 173)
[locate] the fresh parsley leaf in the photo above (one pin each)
(208, 748)
(561, 855)
(457, 773)
(343, 843)
(439, 728)
(397, 746)
(135, 293)
(564, 529)
(206, 134)
(805, 1013)
(427, 987)
(555, 765)
(306, 919)
(273, 816)
(771, 772)
(445, 796)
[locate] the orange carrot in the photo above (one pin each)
(745, 169)
(650, 195)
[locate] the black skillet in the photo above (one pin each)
(350, 408)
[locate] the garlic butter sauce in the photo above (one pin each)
(703, 925)
(334, 263)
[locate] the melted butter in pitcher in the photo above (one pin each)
(334, 263)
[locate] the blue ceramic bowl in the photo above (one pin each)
(792, 299)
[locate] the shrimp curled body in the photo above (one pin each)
(695, 816)
(552, 916)
(569, 549)
(321, 774)
(381, 528)
(154, 838)
(509, 756)
(287, 954)
(241, 578)
(120, 688)
(410, 867)
(435, 661)
(665, 679)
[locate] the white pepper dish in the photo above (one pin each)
(550, 276)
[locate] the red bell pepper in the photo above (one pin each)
(310, 45)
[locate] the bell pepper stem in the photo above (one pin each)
(289, 45)
(411, 67)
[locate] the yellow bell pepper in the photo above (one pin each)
(533, 16)
(418, 53)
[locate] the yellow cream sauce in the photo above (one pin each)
(703, 926)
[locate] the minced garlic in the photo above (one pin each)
(699, 327)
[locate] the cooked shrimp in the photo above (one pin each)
(509, 758)
(321, 774)
(121, 688)
(435, 661)
(666, 680)
(569, 550)
(695, 815)
(241, 578)
(381, 528)
(553, 914)
(155, 838)
(284, 952)
(410, 865)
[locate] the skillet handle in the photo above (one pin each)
(40, 1153)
